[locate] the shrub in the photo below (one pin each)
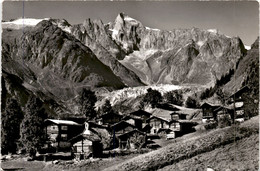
(152, 97)
(174, 97)
(211, 125)
(191, 102)
(224, 122)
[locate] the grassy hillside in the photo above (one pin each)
(194, 146)
(242, 155)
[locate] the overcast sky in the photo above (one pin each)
(231, 18)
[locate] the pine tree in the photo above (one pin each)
(152, 97)
(87, 103)
(106, 108)
(32, 127)
(11, 120)
(191, 102)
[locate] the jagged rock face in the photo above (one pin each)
(156, 56)
(179, 56)
(60, 63)
(94, 35)
(248, 65)
(58, 59)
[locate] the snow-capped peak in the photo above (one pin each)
(22, 22)
(26, 21)
(213, 31)
(127, 18)
(247, 47)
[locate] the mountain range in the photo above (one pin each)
(54, 60)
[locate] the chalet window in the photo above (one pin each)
(63, 136)
(65, 128)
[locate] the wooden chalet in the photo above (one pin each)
(180, 127)
(87, 144)
(239, 95)
(132, 140)
(109, 119)
(208, 113)
(134, 120)
(156, 123)
(121, 128)
(60, 131)
(238, 102)
(178, 116)
(142, 114)
(222, 112)
(183, 126)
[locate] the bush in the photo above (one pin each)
(191, 102)
(174, 97)
(152, 97)
(224, 122)
(211, 125)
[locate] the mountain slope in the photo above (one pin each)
(94, 35)
(52, 55)
(53, 63)
(178, 56)
(247, 71)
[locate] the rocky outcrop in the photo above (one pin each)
(180, 56)
(55, 60)
(94, 35)
(247, 71)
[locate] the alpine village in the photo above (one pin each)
(122, 96)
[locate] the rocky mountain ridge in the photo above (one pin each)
(178, 56)
(56, 59)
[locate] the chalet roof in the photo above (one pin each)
(209, 104)
(121, 123)
(183, 121)
(62, 122)
(178, 113)
(131, 117)
(167, 106)
(161, 113)
(160, 118)
(141, 112)
(236, 105)
(146, 126)
(221, 107)
(240, 91)
(167, 130)
(109, 114)
(131, 132)
(92, 137)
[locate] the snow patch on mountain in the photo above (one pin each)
(213, 31)
(247, 47)
(143, 54)
(22, 22)
(127, 18)
(200, 43)
(26, 21)
(133, 92)
(114, 33)
(148, 28)
(65, 28)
